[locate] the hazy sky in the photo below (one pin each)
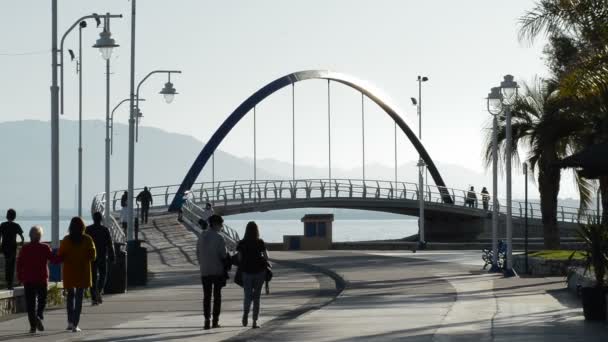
(229, 49)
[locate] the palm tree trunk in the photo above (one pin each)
(604, 195)
(548, 184)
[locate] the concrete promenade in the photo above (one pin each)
(387, 296)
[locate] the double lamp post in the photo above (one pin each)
(499, 101)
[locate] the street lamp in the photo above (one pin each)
(105, 43)
(494, 102)
(525, 167)
(168, 91)
(56, 100)
(421, 167)
(508, 87)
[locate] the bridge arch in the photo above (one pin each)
(282, 82)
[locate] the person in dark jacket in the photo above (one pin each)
(124, 200)
(8, 233)
(33, 273)
(145, 198)
(253, 262)
(471, 198)
(485, 198)
(105, 253)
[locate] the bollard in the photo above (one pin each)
(117, 272)
(137, 264)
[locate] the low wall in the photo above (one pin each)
(542, 267)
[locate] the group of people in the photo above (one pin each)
(85, 253)
(215, 261)
(471, 199)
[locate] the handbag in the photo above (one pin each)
(238, 277)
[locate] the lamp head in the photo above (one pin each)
(168, 92)
(509, 89)
(494, 101)
(83, 24)
(423, 78)
(105, 44)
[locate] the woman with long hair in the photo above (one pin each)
(77, 251)
(253, 265)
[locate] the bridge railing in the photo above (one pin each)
(193, 213)
(116, 232)
(231, 192)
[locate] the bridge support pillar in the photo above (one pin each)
(137, 264)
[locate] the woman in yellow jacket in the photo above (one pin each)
(77, 251)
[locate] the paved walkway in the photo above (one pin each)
(170, 308)
(386, 296)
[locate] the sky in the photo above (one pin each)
(229, 49)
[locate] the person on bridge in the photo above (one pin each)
(33, 273)
(145, 198)
(8, 233)
(207, 213)
(212, 255)
(124, 211)
(471, 198)
(253, 262)
(78, 252)
(105, 253)
(485, 198)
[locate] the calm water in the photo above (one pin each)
(343, 230)
(273, 230)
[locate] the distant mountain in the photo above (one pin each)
(161, 158)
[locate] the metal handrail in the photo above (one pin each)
(246, 191)
(193, 213)
(116, 232)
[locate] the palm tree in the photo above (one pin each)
(542, 125)
(578, 57)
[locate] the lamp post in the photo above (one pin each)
(508, 89)
(494, 102)
(168, 93)
(525, 167)
(55, 110)
(421, 166)
(105, 44)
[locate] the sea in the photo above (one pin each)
(272, 230)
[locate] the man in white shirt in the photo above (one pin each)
(212, 254)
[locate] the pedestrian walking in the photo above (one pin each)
(471, 198)
(145, 198)
(9, 231)
(207, 213)
(253, 263)
(77, 251)
(485, 198)
(33, 273)
(105, 253)
(124, 211)
(212, 258)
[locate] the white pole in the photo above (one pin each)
(421, 236)
(79, 121)
(132, 115)
(509, 267)
(107, 208)
(54, 133)
(495, 193)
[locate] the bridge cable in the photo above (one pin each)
(254, 149)
(293, 131)
(329, 129)
(213, 178)
(396, 156)
(363, 131)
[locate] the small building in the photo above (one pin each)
(317, 233)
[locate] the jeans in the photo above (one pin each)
(74, 305)
(252, 284)
(9, 267)
(212, 284)
(35, 302)
(99, 282)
